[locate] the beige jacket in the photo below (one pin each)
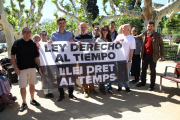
(158, 45)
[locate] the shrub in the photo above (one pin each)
(171, 52)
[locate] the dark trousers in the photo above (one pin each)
(148, 59)
(70, 91)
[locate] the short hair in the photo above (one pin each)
(134, 28)
(61, 18)
(112, 22)
(42, 31)
(96, 27)
(25, 28)
(35, 36)
(151, 22)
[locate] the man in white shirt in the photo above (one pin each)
(128, 46)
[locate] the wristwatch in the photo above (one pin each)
(129, 61)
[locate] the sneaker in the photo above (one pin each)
(128, 90)
(35, 103)
(86, 94)
(110, 91)
(119, 89)
(93, 92)
(23, 107)
(103, 92)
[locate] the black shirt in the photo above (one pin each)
(84, 38)
(26, 52)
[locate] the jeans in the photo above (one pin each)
(126, 83)
(102, 87)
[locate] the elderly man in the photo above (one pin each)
(112, 29)
(152, 42)
(84, 37)
(128, 46)
(63, 35)
(48, 92)
(26, 54)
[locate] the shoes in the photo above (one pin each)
(73, 97)
(119, 89)
(86, 94)
(60, 98)
(93, 92)
(140, 84)
(134, 81)
(128, 90)
(50, 95)
(110, 91)
(23, 107)
(103, 92)
(151, 88)
(34, 102)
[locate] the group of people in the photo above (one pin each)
(25, 55)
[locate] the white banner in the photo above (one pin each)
(72, 52)
(69, 63)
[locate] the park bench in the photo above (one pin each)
(175, 78)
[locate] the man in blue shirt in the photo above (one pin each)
(63, 35)
(112, 29)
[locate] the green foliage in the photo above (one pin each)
(176, 38)
(166, 43)
(39, 3)
(171, 52)
(52, 26)
(12, 21)
(133, 21)
(8, 11)
(172, 26)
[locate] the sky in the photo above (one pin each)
(50, 8)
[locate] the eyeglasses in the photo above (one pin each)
(96, 30)
(104, 29)
(134, 31)
(27, 32)
(44, 34)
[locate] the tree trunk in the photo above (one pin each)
(7, 28)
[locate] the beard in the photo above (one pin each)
(83, 32)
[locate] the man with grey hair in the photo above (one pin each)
(84, 37)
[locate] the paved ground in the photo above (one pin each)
(139, 104)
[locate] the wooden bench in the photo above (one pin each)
(176, 73)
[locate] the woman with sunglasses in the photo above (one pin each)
(105, 36)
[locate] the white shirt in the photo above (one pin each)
(127, 44)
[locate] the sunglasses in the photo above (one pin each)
(104, 29)
(96, 29)
(44, 34)
(134, 31)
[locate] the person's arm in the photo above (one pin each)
(130, 58)
(16, 69)
(38, 63)
(139, 37)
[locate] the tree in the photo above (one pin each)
(92, 8)
(150, 11)
(14, 20)
(77, 9)
(25, 17)
(6, 27)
